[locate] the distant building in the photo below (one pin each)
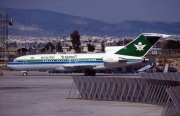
(13, 50)
(173, 62)
(155, 51)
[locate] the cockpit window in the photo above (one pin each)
(15, 60)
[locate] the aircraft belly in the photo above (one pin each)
(35, 67)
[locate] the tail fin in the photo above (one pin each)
(140, 46)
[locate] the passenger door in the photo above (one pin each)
(24, 61)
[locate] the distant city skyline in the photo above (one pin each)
(110, 11)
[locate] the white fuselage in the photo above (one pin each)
(71, 62)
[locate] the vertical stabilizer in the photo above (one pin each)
(140, 46)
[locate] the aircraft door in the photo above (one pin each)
(24, 61)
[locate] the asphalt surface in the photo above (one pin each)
(43, 94)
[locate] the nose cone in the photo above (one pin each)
(9, 65)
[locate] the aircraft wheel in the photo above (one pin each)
(24, 73)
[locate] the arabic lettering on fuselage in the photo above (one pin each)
(74, 56)
(63, 56)
(47, 57)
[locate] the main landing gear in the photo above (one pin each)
(89, 72)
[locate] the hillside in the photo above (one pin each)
(47, 23)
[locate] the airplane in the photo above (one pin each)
(131, 54)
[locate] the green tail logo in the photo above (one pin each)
(140, 46)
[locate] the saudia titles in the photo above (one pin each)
(47, 57)
(74, 56)
(63, 56)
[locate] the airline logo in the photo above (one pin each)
(139, 47)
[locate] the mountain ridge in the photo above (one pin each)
(36, 22)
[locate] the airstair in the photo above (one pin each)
(152, 64)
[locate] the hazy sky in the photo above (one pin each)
(111, 11)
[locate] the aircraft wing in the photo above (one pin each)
(79, 66)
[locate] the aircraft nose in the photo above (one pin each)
(10, 66)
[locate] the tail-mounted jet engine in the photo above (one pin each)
(113, 59)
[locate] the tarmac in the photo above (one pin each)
(43, 94)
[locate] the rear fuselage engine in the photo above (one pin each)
(113, 59)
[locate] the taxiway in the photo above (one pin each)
(44, 94)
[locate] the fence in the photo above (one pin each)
(151, 88)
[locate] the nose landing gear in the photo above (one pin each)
(24, 73)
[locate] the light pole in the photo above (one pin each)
(4, 22)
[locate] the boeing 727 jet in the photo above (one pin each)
(131, 54)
